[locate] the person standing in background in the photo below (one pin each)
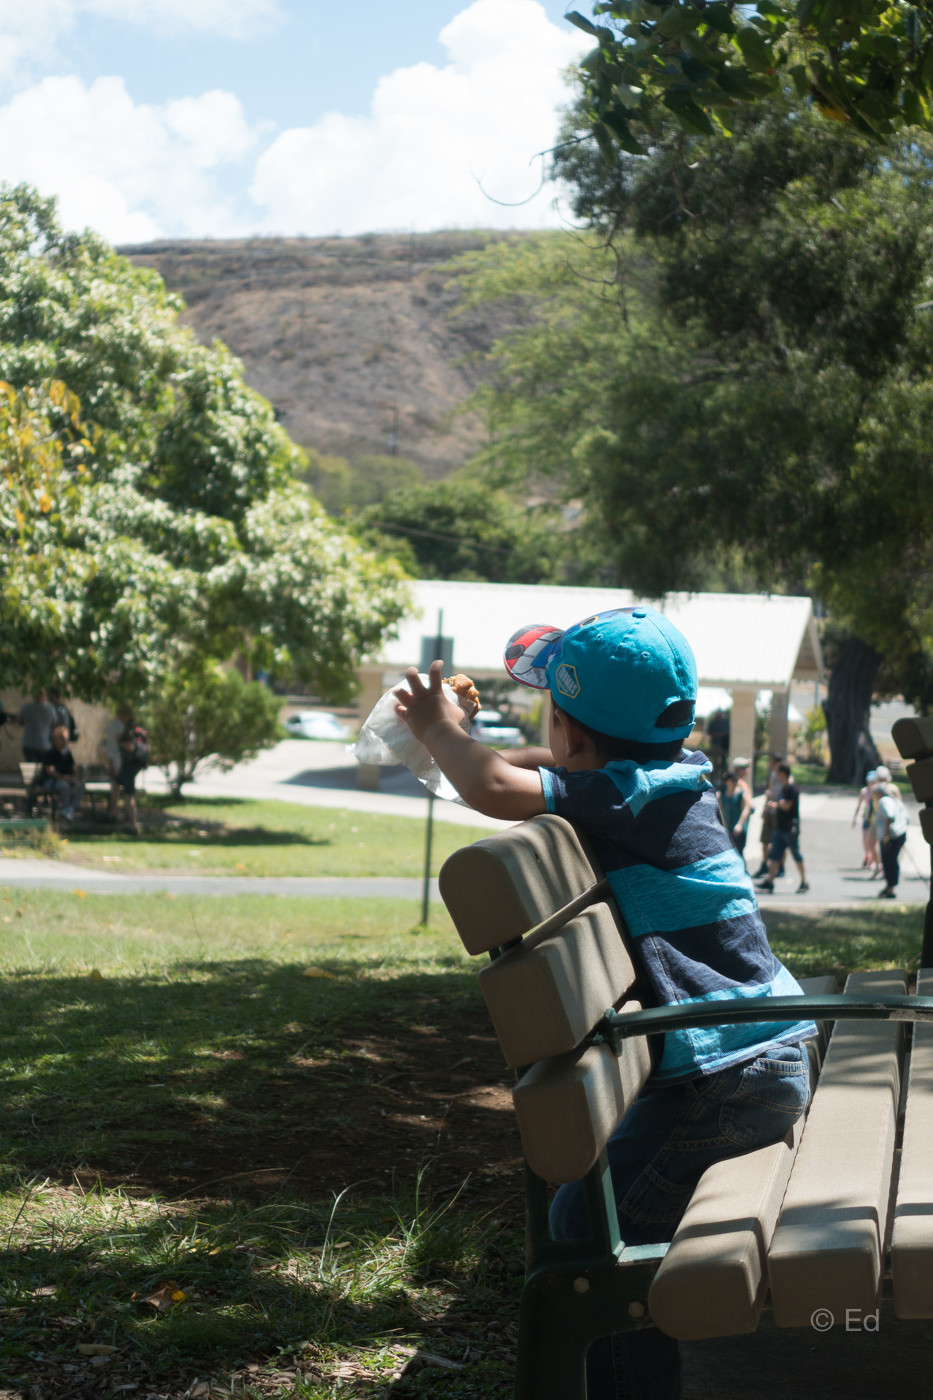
(867, 804)
(736, 805)
(37, 718)
(786, 832)
(773, 792)
(891, 825)
(63, 715)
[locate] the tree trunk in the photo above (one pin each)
(848, 707)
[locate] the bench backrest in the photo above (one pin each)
(534, 897)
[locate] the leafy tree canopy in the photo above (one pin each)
(733, 370)
(696, 63)
(148, 500)
(461, 529)
(342, 485)
(207, 714)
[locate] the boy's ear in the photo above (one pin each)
(574, 737)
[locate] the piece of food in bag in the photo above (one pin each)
(465, 691)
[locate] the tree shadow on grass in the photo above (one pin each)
(249, 1077)
(248, 1096)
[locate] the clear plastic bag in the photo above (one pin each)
(386, 740)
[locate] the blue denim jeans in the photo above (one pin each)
(658, 1153)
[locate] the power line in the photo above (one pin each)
(432, 535)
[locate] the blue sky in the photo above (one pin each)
(219, 118)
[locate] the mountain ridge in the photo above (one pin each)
(352, 339)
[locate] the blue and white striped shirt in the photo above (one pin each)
(686, 897)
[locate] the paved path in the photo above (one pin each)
(324, 775)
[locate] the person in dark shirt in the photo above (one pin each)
(62, 714)
(786, 832)
(60, 774)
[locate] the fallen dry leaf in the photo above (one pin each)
(163, 1298)
(82, 894)
(319, 972)
(95, 1349)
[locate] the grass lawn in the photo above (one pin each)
(231, 837)
(266, 1143)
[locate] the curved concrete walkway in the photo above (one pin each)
(324, 775)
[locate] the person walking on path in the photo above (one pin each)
(867, 804)
(786, 832)
(891, 826)
(773, 790)
(735, 801)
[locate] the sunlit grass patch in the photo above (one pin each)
(211, 836)
(840, 941)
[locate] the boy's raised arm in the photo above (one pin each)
(482, 777)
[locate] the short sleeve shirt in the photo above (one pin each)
(686, 898)
(892, 808)
(787, 818)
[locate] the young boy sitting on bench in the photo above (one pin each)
(623, 691)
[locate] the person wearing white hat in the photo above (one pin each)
(891, 825)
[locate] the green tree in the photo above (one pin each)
(461, 529)
(341, 485)
(753, 406)
(173, 525)
(207, 715)
(866, 63)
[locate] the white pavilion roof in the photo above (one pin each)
(741, 641)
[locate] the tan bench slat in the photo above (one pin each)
(912, 1235)
(926, 823)
(568, 1106)
(501, 886)
(714, 1278)
(827, 1247)
(913, 737)
(548, 993)
(921, 779)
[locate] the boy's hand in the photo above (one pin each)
(426, 706)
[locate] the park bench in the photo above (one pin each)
(38, 798)
(914, 740)
(97, 784)
(825, 1222)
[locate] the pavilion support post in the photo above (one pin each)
(742, 725)
(780, 700)
(371, 688)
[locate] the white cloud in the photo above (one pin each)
(439, 146)
(34, 33)
(132, 171)
(436, 139)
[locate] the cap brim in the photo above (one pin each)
(528, 652)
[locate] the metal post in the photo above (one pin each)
(426, 890)
(429, 831)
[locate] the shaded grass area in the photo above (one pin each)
(222, 1151)
(240, 837)
(267, 1143)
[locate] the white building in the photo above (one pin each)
(744, 643)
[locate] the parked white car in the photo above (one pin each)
(489, 729)
(317, 724)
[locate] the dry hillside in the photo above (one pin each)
(350, 338)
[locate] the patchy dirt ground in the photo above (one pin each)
(407, 1099)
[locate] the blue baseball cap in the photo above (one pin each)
(616, 672)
